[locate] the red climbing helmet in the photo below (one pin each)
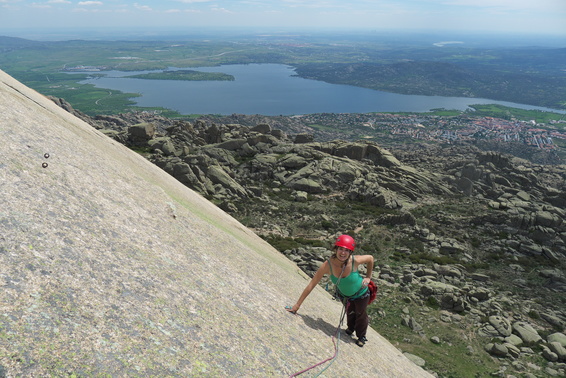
(345, 241)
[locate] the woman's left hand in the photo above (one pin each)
(365, 282)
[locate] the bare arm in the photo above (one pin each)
(368, 260)
(324, 269)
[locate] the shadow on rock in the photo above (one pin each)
(321, 325)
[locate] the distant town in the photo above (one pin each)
(467, 129)
(448, 128)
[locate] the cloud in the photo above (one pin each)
(193, 1)
(511, 5)
(40, 6)
(182, 11)
(221, 10)
(58, 2)
(302, 3)
(90, 3)
(142, 7)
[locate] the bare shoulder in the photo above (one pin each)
(364, 259)
(325, 267)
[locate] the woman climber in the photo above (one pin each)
(351, 286)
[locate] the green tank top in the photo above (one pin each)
(351, 285)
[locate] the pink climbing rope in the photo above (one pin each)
(335, 346)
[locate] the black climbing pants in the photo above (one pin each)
(357, 317)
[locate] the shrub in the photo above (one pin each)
(432, 302)
(413, 244)
(475, 242)
(284, 243)
(327, 225)
(423, 258)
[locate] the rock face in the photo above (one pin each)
(478, 236)
(111, 267)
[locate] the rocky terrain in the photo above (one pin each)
(470, 244)
(110, 267)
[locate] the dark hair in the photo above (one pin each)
(334, 251)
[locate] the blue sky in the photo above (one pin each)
(501, 16)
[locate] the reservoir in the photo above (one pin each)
(271, 89)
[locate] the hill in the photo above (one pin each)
(111, 267)
(469, 243)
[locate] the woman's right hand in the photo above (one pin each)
(293, 309)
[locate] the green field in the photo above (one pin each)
(187, 75)
(504, 112)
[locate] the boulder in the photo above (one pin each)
(262, 160)
(118, 136)
(512, 350)
(293, 161)
(448, 247)
(530, 248)
(218, 176)
(551, 255)
(523, 196)
(410, 322)
(499, 160)
(164, 144)
(303, 138)
(471, 172)
(424, 271)
(549, 355)
(415, 359)
(558, 349)
(437, 288)
(496, 349)
(447, 270)
(480, 277)
(141, 133)
(487, 330)
(553, 320)
(301, 196)
(213, 134)
(501, 324)
(344, 171)
(372, 193)
(547, 219)
(279, 134)
(262, 141)
(381, 157)
(232, 144)
(453, 302)
(557, 337)
(263, 128)
(465, 185)
(355, 151)
(514, 340)
(406, 218)
(527, 333)
(306, 185)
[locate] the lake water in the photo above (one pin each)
(271, 89)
